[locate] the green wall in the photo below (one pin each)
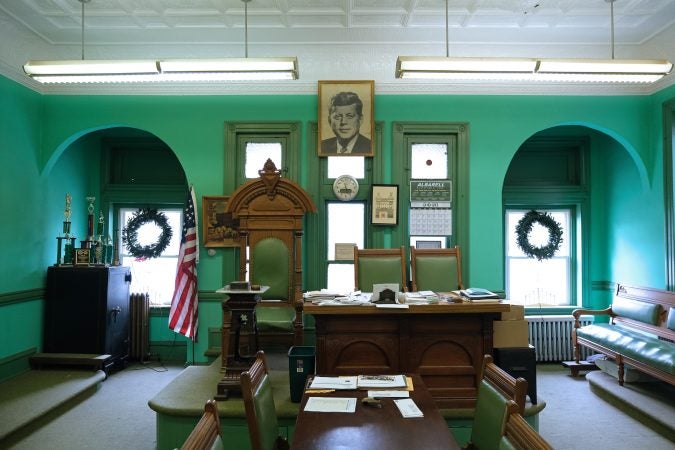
(43, 157)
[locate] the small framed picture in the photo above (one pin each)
(81, 257)
(384, 204)
(346, 118)
(219, 228)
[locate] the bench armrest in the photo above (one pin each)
(595, 312)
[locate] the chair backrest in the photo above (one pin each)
(489, 418)
(261, 415)
(519, 435)
(206, 434)
(436, 269)
(379, 266)
(499, 394)
(508, 386)
(270, 265)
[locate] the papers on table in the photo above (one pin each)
(381, 381)
(333, 383)
(329, 298)
(359, 382)
(392, 305)
(408, 408)
(388, 394)
(331, 404)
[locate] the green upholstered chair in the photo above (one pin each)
(270, 266)
(436, 269)
(379, 266)
(499, 394)
(261, 415)
(206, 434)
(519, 435)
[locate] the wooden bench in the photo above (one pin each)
(640, 332)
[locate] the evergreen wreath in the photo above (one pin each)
(130, 233)
(524, 227)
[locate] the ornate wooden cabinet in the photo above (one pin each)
(87, 311)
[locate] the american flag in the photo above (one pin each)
(183, 314)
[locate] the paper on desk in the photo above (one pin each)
(381, 381)
(391, 305)
(333, 383)
(331, 404)
(388, 394)
(408, 408)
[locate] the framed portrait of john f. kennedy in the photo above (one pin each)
(346, 118)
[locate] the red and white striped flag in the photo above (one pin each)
(183, 314)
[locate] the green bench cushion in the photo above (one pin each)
(637, 310)
(632, 344)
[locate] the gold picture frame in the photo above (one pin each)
(384, 204)
(219, 228)
(346, 118)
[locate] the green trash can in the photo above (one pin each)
(300, 364)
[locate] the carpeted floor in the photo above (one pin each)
(118, 417)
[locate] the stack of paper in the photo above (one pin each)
(333, 383)
(408, 408)
(331, 404)
(381, 381)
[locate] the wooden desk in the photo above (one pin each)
(444, 343)
(369, 427)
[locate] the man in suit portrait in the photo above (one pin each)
(345, 115)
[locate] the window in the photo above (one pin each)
(542, 283)
(154, 276)
(345, 223)
(257, 153)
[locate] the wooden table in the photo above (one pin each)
(444, 343)
(370, 428)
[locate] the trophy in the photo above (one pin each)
(67, 256)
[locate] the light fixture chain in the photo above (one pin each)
(447, 38)
(245, 27)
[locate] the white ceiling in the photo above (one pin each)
(336, 39)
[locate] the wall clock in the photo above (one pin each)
(345, 187)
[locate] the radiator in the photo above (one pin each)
(551, 336)
(140, 330)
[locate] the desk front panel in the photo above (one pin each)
(446, 349)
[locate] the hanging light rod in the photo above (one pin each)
(165, 70)
(532, 69)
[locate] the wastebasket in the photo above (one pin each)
(300, 364)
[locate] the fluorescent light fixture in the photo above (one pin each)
(171, 70)
(544, 70)
(524, 69)
(178, 70)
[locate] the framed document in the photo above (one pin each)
(384, 204)
(81, 257)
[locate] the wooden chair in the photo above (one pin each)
(379, 266)
(436, 269)
(519, 435)
(261, 415)
(499, 394)
(270, 211)
(206, 434)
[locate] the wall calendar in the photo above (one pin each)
(430, 222)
